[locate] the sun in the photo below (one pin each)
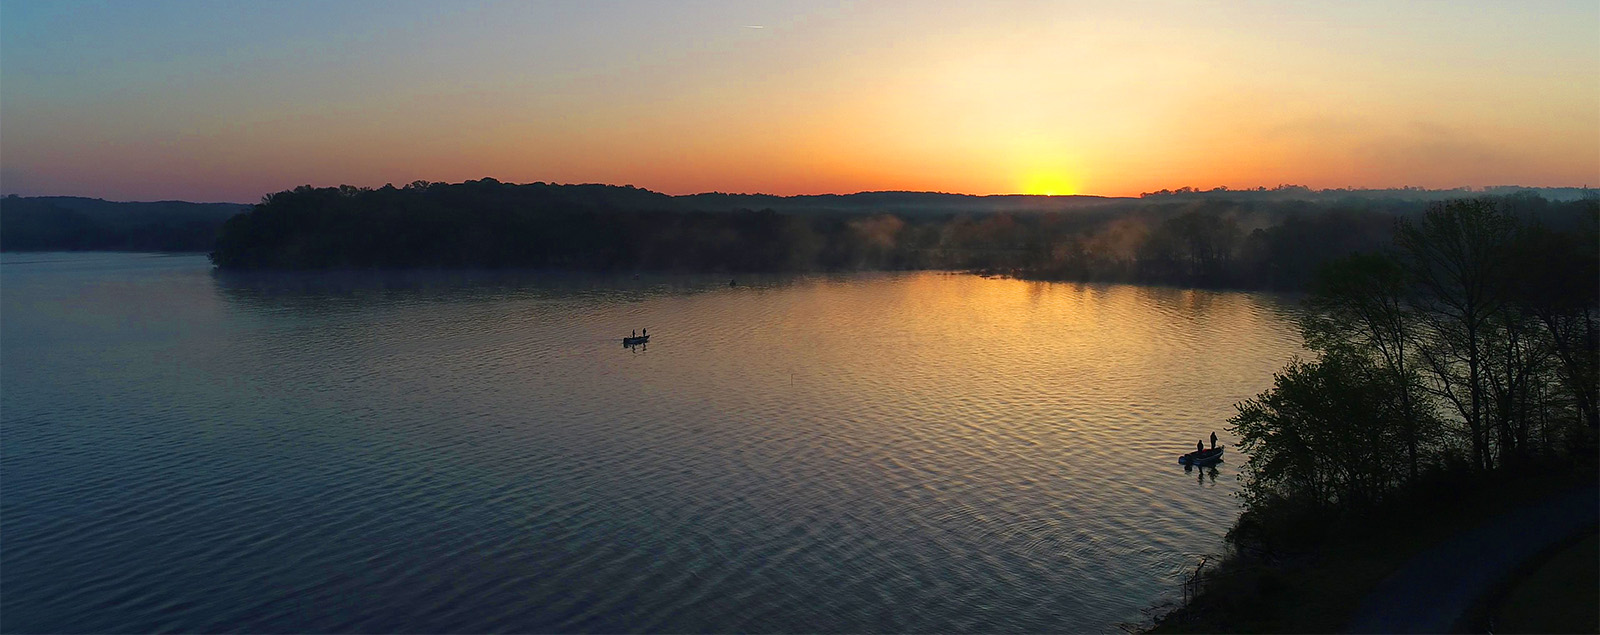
(1049, 184)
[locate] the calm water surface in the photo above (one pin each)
(190, 451)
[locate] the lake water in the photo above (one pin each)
(182, 450)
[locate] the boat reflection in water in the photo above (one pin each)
(1207, 473)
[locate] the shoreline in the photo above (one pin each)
(1354, 580)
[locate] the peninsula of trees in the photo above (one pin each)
(1253, 239)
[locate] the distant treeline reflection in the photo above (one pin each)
(1249, 242)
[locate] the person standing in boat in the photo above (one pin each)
(1213, 440)
(1199, 446)
(646, 333)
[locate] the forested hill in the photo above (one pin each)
(70, 223)
(1254, 243)
(1351, 195)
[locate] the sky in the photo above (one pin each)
(228, 101)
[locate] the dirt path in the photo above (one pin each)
(1431, 591)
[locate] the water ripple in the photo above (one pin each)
(475, 452)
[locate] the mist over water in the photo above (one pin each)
(471, 452)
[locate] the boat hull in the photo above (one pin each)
(1203, 457)
(635, 341)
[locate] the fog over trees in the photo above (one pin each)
(1264, 238)
(1262, 242)
(1470, 343)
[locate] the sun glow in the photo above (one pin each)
(1049, 184)
(976, 97)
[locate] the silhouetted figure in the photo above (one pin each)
(633, 333)
(646, 333)
(1199, 446)
(1213, 440)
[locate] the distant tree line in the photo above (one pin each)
(64, 223)
(1214, 242)
(1470, 343)
(489, 224)
(1346, 195)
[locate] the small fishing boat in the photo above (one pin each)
(1201, 457)
(635, 341)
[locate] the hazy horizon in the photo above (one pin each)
(1197, 190)
(180, 100)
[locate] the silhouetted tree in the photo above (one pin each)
(1360, 306)
(1326, 434)
(1456, 256)
(1491, 313)
(1557, 287)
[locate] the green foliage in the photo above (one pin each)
(1327, 433)
(1359, 307)
(1478, 331)
(1463, 357)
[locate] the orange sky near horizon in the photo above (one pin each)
(228, 102)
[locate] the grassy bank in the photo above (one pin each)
(1553, 594)
(1316, 581)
